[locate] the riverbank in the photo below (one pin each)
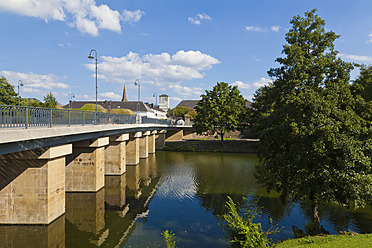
(329, 241)
(230, 146)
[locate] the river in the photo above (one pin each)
(181, 192)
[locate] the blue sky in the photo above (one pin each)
(177, 47)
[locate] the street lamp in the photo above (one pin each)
(91, 58)
(70, 97)
(156, 103)
(137, 82)
(19, 97)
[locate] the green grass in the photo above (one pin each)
(330, 241)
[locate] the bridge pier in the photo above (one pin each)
(37, 195)
(144, 145)
(152, 144)
(85, 170)
(115, 155)
(160, 139)
(132, 150)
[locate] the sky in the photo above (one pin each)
(176, 47)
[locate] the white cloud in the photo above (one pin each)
(85, 15)
(370, 38)
(186, 91)
(262, 82)
(110, 96)
(106, 18)
(132, 16)
(32, 81)
(158, 69)
(199, 18)
(352, 57)
(241, 85)
(275, 28)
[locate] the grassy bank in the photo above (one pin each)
(232, 146)
(330, 241)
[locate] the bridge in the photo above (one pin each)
(47, 152)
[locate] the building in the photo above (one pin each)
(164, 102)
(188, 103)
(140, 108)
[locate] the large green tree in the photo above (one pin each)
(7, 94)
(219, 110)
(362, 85)
(50, 101)
(315, 136)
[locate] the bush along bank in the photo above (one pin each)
(230, 146)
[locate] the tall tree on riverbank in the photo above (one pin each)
(362, 85)
(219, 110)
(315, 136)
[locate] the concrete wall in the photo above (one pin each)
(174, 135)
(115, 155)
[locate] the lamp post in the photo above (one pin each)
(19, 97)
(70, 97)
(156, 103)
(91, 58)
(137, 82)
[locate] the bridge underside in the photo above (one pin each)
(36, 172)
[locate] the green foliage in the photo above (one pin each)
(169, 239)
(362, 85)
(329, 241)
(7, 94)
(219, 110)
(92, 107)
(241, 229)
(315, 136)
(121, 111)
(50, 101)
(179, 111)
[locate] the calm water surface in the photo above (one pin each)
(182, 192)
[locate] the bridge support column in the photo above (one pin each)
(152, 142)
(115, 155)
(174, 135)
(85, 170)
(160, 140)
(133, 148)
(144, 145)
(115, 193)
(37, 194)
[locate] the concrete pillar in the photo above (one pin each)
(86, 211)
(85, 170)
(133, 148)
(36, 195)
(34, 236)
(152, 142)
(115, 155)
(144, 145)
(160, 140)
(174, 135)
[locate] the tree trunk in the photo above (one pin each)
(222, 134)
(316, 219)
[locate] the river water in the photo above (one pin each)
(181, 192)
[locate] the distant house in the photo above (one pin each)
(143, 109)
(188, 103)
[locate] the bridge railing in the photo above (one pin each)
(24, 117)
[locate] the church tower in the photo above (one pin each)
(124, 99)
(164, 102)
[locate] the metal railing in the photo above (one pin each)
(25, 117)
